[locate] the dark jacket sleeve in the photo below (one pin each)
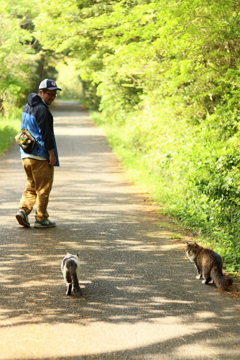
(45, 122)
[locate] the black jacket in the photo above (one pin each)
(37, 118)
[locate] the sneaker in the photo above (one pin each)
(22, 218)
(45, 223)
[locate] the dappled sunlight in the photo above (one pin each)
(165, 300)
(205, 315)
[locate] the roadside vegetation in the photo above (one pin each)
(163, 80)
(9, 127)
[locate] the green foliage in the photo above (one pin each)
(16, 55)
(9, 127)
(23, 62)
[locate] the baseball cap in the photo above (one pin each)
(48, 84)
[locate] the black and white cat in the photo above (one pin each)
(71, 273)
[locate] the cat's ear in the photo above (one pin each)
(195, 244)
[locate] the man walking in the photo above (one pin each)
(39, 165)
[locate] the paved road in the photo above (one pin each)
(141, 299)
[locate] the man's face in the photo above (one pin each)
(48, 96)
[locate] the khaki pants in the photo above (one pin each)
(38, 187)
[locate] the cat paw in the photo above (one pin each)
(204, 282)
(199, 276)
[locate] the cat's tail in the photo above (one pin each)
(72, 268)
(221, 281)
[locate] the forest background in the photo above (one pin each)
(163, 80)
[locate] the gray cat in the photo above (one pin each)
(71, 273)
(208, 264)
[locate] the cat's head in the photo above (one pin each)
(191, 250)
(68, 254)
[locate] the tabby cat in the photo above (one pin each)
(71, 273)
(208, 264)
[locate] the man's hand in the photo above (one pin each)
(52, 157)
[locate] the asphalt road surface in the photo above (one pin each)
(141, 300)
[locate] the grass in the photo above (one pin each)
(8, 129)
